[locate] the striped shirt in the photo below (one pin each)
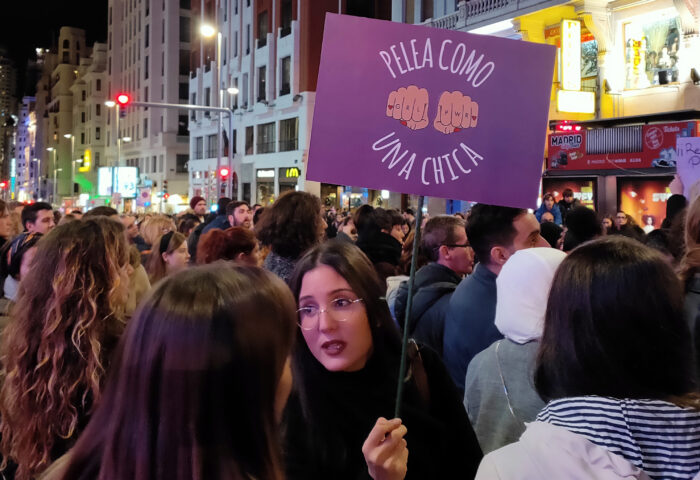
(659, 437)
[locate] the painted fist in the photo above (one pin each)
(455, 112)
(410, 106)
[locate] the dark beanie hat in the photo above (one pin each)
(195, 200)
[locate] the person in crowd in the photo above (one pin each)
(689, 272)
(345, 369)
(550, 207)
(65, 325)
(152, 228)
(68, 217)
(659, 240)
(567, 203)
(5, 224)
(347, 231)
(410, 216)
(618, 376)
(499, 393)
(15, 260)
(256, 216)
(76, 212)
(289, 227)
(581, 226)
(132, 231)
(394, 282)
(551, 232)
(169, 255)
(444, 243)
(220, 217)
(237, 244)
(238, 214)
(173, 408)
(675, 204)
(38, 218)
(57, 216)
(607, 223)
(648, 224)
(334, 220)
(547, 217)
(199, 207)
(495, 233)
(187, 223)
(381, 238)
(139, 284)
(103, 210)
(621, 226)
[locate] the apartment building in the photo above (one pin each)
(148, 57)
(26, 172)
(8, 109)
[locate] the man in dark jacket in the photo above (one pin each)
(567, 204)
(193, 239)
(445, 244)
(495, 233)
(381, 239)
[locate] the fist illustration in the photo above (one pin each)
(410, 106)
(455, 112)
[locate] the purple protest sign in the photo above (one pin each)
(430, 112)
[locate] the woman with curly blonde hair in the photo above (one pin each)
(65, 325)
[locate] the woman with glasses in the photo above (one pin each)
(346, 369)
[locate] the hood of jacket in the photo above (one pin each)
(522, 291)
(431, 283)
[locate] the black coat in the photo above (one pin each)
(432, 290)
(441, 441)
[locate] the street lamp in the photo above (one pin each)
(72, 163)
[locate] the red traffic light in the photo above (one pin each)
(123, 99)
(3, 184)
(166, 195)
(223, 172)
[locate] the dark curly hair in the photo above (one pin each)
(292, 224)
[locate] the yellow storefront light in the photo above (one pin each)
(571, 55)
(87, 161)
(575, 102)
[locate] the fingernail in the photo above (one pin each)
(403, 123)
(457, 129)
(389, 107)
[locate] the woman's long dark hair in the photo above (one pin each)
(192, 396)
(614, 326)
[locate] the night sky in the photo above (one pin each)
(29, 24)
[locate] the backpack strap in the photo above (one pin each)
(417, 371)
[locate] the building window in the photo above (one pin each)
(234, 98)
(286, 20)
(97, 159)
(98, 85)
(146, 36)
(289, 134)
(82, 138)
(249, 138)
(145, 127)
(212, 146)
(181, 163)
(245, 90)
(247, 39)
(235, 7)
(83, 95)
(185, 4)
(184, 64)
(193, 114)
(262, 93)
(235, 138)
(182, 125)
(82, 117)
(266, 138)
(184, 29)
(262, 29)
(145, 68)
(183, 91)
(66, 43)
(198, 148)
(154, 164)
(162, 64)
(286, 75)
(97, 133)
(98, 110)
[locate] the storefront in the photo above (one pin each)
(288, 179)
(265, 186)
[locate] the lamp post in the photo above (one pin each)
(54, 181)
(53, 194)
(72, 163)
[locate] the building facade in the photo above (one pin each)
(8, 112)
(27, 169)
(270, 53)
(148, 57)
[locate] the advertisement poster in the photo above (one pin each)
(428, 111)
(651, 52)
(644, 199)
(629, 147)
(584, 189)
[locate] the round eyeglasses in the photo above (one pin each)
(341, 308)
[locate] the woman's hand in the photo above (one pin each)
(385, 450)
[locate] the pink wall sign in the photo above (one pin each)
(430, 112)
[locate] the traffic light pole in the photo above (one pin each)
(199, 108)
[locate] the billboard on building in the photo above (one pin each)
(124, 180)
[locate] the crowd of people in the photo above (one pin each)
(265, 343)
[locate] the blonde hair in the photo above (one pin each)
(155, 226)
(63, 330)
